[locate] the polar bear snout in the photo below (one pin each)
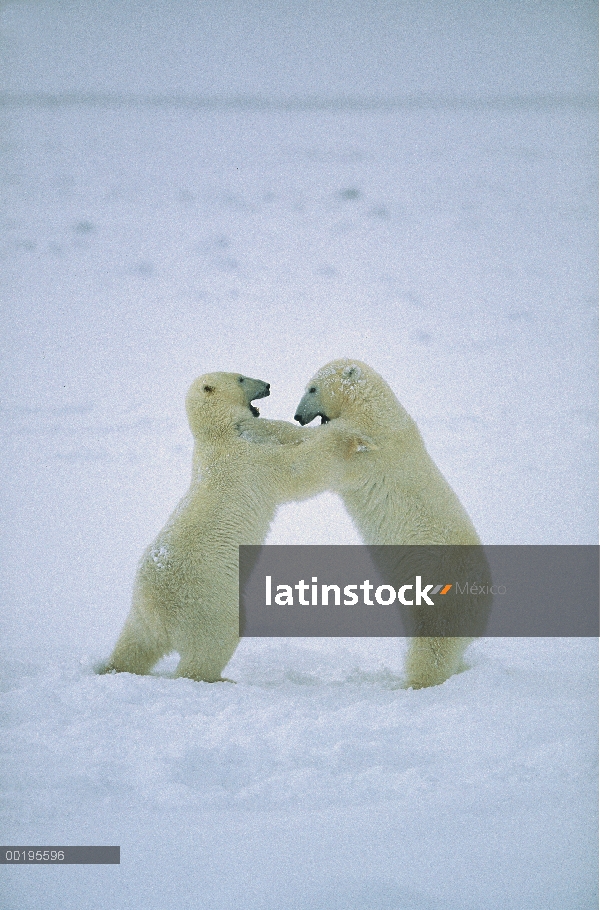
(310, 407)
(255, 388)
(264, 389)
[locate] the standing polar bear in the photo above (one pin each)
(395, 494)
(186, 591)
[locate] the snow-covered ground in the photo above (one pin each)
(443, 231)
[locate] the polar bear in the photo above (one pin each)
(186, 591)
(395, 494)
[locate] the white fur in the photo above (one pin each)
(394, 492)
(186, 591)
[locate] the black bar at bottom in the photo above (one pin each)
(58, 856)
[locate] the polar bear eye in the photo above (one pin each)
(312, 390)
(241, 379)
(209, 388)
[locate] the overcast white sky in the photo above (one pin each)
(385, 48)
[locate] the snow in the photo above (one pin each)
(264, 188)
(313, 782)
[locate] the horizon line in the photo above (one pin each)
(292, 103)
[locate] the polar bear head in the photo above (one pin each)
(349, 389)
(216, 401)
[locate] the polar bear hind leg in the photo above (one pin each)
(431, 661)
(206, 664)
(135, 651)
(140, 645)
